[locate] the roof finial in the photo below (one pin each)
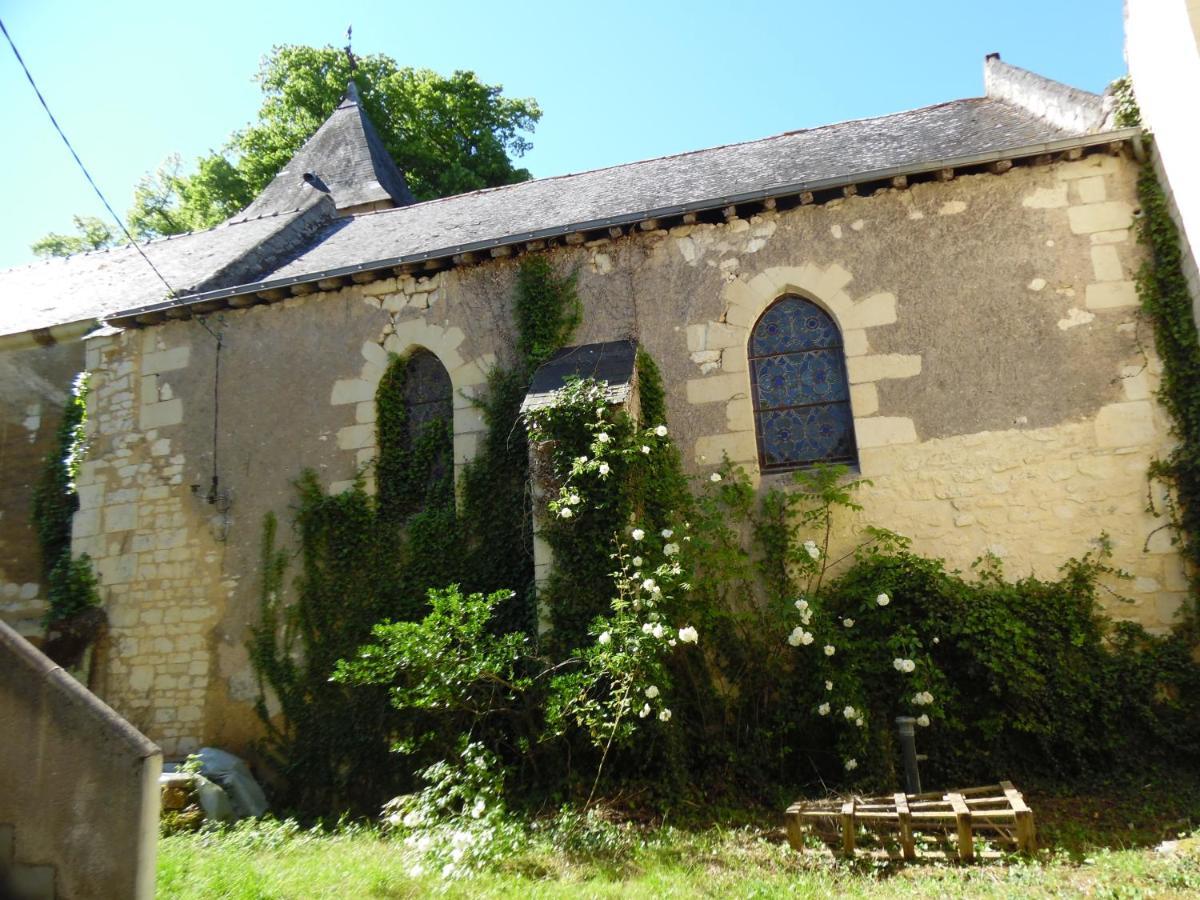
(349, 52)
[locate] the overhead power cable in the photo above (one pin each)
(82, 167)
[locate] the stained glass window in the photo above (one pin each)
(801, 394)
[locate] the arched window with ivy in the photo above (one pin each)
(799, 386)
(415, 431)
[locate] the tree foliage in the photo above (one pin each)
(448, 135)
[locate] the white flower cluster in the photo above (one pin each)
(903, 665)
(800, 637)
(811, 548)
(924, 698)
(923, 720)
(883, 599)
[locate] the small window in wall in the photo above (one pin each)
(414, 425)
(427, 392)
(800, 390)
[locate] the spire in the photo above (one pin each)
(345, 159)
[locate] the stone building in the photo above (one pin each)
(942, 298)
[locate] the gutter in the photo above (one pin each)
(780, 190)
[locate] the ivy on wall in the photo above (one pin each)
(70, 583)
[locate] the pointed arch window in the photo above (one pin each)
(799, 386)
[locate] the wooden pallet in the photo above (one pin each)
(918, 826)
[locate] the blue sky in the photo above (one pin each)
(132, 82)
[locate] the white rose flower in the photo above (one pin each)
(664, 716)
(581, 459)
(666, 534)
(851, 765)
(645, 449)
(646, 628)
(644, 711)
(603, 437)
(638, 534)
(649, 585)
(859, 722)
(605, 637)
(604, 470)
(849, 712)
(802, 604)
(909, 665)
(796, 636)
(812, 549)
(830, 649)
(714, 477)
(883, 599)
(829, 685)
(923, 720)
(937, 640)
(808, 638)
(657, 631)
(637, 560)
(671, 642)
(661, 430)
(806, 617)
(573, 499)
(688, 635)
(898, 664)
(670, 549)
(823, 709)
(652, 692)
(849, 623)
(928, 698)
(565, 512)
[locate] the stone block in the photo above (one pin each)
(466, 445)
(90, 495)
(872, 311)
(165, 360)
(1135, 382)
(1125, 424)
(854, 343)
(351, 390)
(1106, 263)
(1096, 164)
(886, 365)
(739, 415)
(1111, 294)
(353, 437)
(733, 359)
(717, 388)
(1094, 217)
(1091, 189)
(85, 523)
(160, 415)
(382, 286)
(697, 338)
(864, 399)
(884, 431)
(1110, 237)
(740, 446)
(120, 518)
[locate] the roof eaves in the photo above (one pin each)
(710, 203)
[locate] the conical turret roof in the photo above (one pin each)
(345, 158)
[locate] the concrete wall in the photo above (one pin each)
(1002, 392)
(1162, 48)
(36, 384)
(79, 784)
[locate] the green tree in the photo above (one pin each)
(91, 234)
(448, 135)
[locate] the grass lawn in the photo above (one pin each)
(1103, 844)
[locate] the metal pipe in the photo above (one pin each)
(908, 747)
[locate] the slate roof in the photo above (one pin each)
(609, 361)
(94, 285)
(347, 156)
(815, 155)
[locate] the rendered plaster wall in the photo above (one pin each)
(1002, 393)
(36, 382)
(80, 786)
